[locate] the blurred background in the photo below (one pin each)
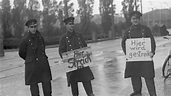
(96, 19)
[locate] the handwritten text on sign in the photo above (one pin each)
(77, 59)
(138, 49)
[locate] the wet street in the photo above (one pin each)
(108, 69)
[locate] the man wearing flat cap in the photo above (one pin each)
(72, 40)
(138, 69)
(136, 13)
(37, 69)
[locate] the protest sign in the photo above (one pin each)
(138, 49)
(77, 59)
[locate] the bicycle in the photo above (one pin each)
(166, 69)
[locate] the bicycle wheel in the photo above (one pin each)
(166, 69)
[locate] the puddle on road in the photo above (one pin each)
(167, 87)
(110, 74)
(113, 69)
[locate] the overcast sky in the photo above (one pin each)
(147, 5)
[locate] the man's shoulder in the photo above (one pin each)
(26, 37)
(145, 27)
(127, 30)
(63, 35)
(78, 33)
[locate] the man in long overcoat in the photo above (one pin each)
(37, 69)
(72, 40)
(138, 69)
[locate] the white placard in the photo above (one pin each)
(138, 49)
(77, 59)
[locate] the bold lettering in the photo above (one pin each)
(132, 48)
(72, 62)
(130, 55)
(133, 42)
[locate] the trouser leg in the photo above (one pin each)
(151, 86)
(47, 88)
(74, 88)
(88, 88)
(34, 88)
(136, 84)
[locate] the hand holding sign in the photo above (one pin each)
(151, 54)
(77, 59)
(138, 49)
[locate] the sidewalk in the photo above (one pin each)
(12, 64)
(109, 72)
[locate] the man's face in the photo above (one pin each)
(70, 26)
(32, 28)
(135, 20)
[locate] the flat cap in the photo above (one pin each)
(30, 22)
(136, 13)
(69, 19)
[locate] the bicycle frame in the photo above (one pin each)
(166, 69)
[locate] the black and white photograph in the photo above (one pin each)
(85, 48)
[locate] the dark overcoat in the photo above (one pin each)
(71, 41)
(32, 50)
(139, 68)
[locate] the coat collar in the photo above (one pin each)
(135, 26)
(34, 35)
(70, 34)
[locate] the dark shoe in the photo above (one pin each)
(92, 94)
(135, 94)
(153, 95)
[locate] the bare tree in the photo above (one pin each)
(128, 7)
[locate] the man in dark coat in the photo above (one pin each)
(37, 69)
(72, 40)
(138, 69)
(163, 30)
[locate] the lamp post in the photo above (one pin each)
(160, 13)
(165, 17)
(148, 19)
(152, 8)
(153, 15)
(141, 6)
(1, 42)
(141, 11)
(1, 38)
(166, 13)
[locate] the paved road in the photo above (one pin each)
(108, 71)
